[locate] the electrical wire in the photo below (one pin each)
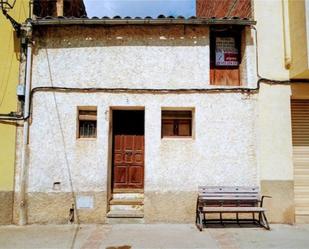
(163, 91)
(74, 205)
(152, 91)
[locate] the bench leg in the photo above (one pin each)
(199, 220)
(265, 222)
(204, 219)
(260, 217)
(221, 220)
(237, 219)
(254, 220)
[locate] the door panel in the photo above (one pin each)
(135, 175)
(120, 174)
(128, 162)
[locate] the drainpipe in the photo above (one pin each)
(25, 150)
(286, 34)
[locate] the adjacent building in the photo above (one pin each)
(9, 70)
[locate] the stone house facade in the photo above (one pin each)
(130, 116)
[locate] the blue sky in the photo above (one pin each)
(140, 8)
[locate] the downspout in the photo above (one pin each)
(286, 34)
(25, 150)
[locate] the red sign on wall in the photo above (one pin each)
(226, 51)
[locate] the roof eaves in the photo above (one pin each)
(50, 21)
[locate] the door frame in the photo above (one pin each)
(110, 147)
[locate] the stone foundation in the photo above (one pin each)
(54, 208)
(165, 207)
(280, 209)
(176, 207)
(6, 207)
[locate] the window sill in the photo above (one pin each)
(86, 139)
(177, 138)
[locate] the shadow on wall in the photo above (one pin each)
(91, 36)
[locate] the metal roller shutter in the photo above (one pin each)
(300, 134)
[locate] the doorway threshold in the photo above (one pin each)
(126, 205)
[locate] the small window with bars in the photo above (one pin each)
(87, 122)
(176, 123)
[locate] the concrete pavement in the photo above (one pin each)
(134, 236)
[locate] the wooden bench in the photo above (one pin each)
(236, 200)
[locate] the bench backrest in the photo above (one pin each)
(226, 195)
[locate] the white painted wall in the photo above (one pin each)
(269, 17)
(149, 57)
(275, 135)
(223, 151)
(274, 118)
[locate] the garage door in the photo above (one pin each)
(300, 132)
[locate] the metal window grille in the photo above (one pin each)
(87, 123)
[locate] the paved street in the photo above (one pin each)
(133, 236)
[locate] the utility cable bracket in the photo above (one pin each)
(15, 24)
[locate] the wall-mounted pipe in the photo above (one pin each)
(24, 157)
(286, 34)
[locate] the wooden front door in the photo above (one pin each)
(128, 162)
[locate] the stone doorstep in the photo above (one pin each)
(127, 202)
(125, 214)
(128, 196)
(125, 221)
(126, 207)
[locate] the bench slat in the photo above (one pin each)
(228, 198)
(228, 189)
(230, 194)
(233, 209)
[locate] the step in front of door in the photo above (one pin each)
(127, 208)
(128, 196)
(133, 202)
(125, 214)
(126, 205)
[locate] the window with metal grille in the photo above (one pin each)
(87, 122)
(176, 123)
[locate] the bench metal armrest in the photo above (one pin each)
(262, 199)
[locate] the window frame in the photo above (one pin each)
(225, 31)
(85, 117)
(191, 125)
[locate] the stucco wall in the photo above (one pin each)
(275, 158)
(269, 17)
(222, 152)
(129, 57)
(275, 140)
(274, 119)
